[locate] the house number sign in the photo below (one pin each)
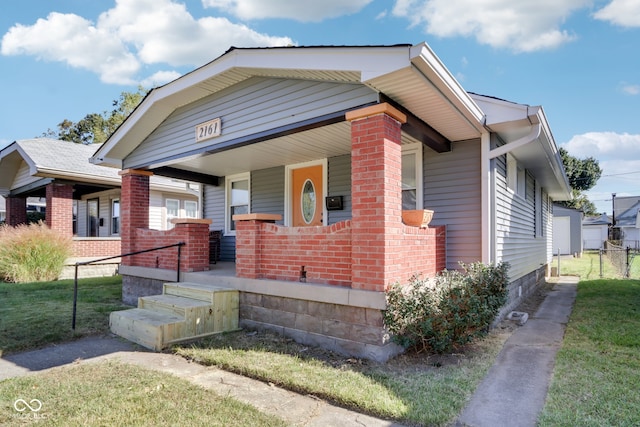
(208, 130)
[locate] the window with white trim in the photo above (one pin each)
(237, 189)
(516, 176)
(412, 177)
(172, 211)
(115, 216)
(190, 209)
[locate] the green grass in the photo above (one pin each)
(419, 389)
(588, 267)
(33, 315)
(597, 371)
(115, 394)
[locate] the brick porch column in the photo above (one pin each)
(59, 211)
(376, 191)
(134, 208)
(16, 210)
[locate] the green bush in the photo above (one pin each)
(32, 253)
(447, 311)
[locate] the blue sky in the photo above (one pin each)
(578, 59)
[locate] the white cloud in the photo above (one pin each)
(625, 13)
(631, 89)
(74, 40)
(605, 146)
(159, 78)
(133, 33)
(521, 26)
(297, 10)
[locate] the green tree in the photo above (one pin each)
(582, 174)
(94, 127)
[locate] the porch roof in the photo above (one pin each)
(48, 159)
(410, 76)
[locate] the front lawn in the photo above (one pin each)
(33, 315)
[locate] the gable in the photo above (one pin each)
(249, 111)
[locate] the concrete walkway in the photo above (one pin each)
(512, 394)
(293, 408)
(514, 391)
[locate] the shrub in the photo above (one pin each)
(32, 253)
(447, 311)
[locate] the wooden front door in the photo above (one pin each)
(307, 196)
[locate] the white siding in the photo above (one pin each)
(452, 190)
(23, 176)
(249, 108)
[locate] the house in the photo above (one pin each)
(309, 156)
(595, 231)
(567, 230)
(627, 220)
(79, 198)
(34, 204)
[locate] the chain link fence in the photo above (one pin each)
(621, 257)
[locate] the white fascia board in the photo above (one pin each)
(425, 60)
(77, 176)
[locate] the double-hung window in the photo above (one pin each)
(412, 177)
(237, 199)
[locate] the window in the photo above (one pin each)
(412, 177)
(237, 199)
(93, 224)
(191, 209)
(115, 216)
(173, 211)
(516, 176)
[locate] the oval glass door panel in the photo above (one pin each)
(308, 201)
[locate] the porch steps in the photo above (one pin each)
(185, 311)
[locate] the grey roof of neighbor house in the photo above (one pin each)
(62, 156)
(629, 217)
(597, 220)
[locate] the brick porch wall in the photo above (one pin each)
(16, 210)
(325, 252)
(95, 247)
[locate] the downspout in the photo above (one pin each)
(486, 197)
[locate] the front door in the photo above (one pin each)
(307, 196)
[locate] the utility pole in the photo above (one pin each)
(613, 209)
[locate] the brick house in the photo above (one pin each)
(310, 157)
(82, 199)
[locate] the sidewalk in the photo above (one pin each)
(293, 408)
(512, 394)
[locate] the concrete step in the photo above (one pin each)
(148, 328)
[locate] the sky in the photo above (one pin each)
(578, 59)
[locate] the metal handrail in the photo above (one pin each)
(75, 280)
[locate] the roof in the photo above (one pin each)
(412, 76)
(629, 218)
(52, 158)
(597, 220)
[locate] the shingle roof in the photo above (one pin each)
(62, 156)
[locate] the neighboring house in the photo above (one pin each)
(309, 156)
(34, 204)
(3, 209)
(595, 231)
(567, 230)
(79, 198)
(627, 220)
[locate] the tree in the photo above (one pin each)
(582, 174)
(94, 127)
